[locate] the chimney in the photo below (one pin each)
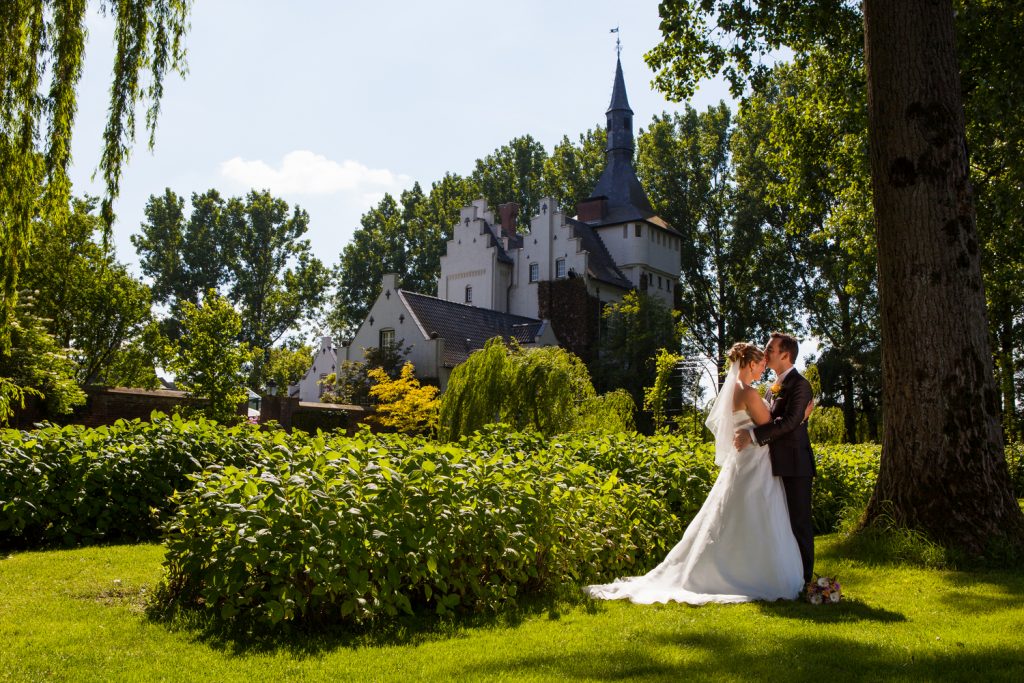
(507, 215)
(592, 209)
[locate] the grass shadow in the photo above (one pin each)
(669, 655)
(986, 592)
(847, 610)
(892, 547)
(313, 638)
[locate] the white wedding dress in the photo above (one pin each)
(739, 547)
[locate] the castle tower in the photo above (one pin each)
(645, 248)
(624, 197)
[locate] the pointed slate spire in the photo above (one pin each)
(620, 116)
(619, 100)
(618, 181)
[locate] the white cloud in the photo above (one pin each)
(304, 172)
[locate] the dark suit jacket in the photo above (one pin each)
(786, 433)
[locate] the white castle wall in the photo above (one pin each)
(324, 363)
(655, 252)
(389, 312)
(471, 260)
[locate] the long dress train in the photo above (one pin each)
(740, 546)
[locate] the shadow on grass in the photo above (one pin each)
(887, 544)
(310, 639)
(986, 592)
(667, 655)
(965, 585)
(849, 610)
(887, 547)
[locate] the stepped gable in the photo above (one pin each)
(494, 240)
(600, 266)
(466, 328)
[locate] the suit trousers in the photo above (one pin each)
(798, 497)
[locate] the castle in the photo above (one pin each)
(540, 287)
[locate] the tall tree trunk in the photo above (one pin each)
(1006, 372)
(849, 406)
(847, 372)
(943, 469)
(871, 417)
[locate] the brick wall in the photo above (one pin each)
(106, 405)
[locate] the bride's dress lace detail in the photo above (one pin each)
(740, 546)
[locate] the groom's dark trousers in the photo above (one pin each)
(792, 459)
(798, 497)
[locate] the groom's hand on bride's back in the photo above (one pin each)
(741, 439)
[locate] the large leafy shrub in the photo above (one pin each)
(545, 389)
(403, 404)
(274, 527)
(674, 473)
(73, 485)
(358, 528)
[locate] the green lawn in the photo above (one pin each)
(77, 616)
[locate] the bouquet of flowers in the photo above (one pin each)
(823, 590)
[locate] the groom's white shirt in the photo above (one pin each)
(783, 375)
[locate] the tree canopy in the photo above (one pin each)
(253, 247)
(91, 303)
(946, 450)
(42, 48)
(208, 361)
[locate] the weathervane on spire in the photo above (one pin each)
(618, 43)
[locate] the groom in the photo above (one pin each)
(788, 444)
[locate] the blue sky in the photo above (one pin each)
(331, 104)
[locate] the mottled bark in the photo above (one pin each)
(943, 469)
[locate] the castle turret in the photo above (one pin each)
(618, 195)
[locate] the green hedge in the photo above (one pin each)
(273, 527)
(356, 528)
(352, 529)
(681, 470)
(72, 485)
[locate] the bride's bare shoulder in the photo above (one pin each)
(743, 396)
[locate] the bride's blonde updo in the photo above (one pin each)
(745, 354)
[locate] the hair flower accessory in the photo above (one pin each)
(823, 591)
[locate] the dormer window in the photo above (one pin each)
(560, 268)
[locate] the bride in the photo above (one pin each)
(740, 546)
